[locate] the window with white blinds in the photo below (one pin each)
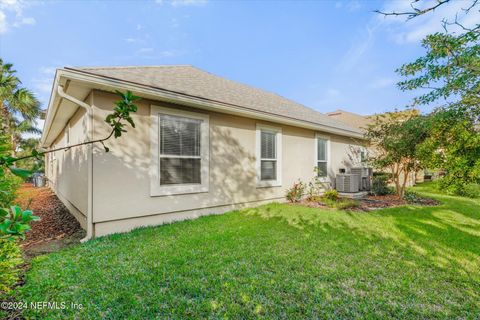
(268, 156)
(180, 152)
(180, 143)
(322, 157)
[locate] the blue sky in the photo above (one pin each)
(324, 54)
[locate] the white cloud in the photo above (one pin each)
(12, 14)
(183, 3)
(132, 40)
(24, 21)
(404, 31)
(414, 30)
(3, 22)
(144, 50)
(357, 50)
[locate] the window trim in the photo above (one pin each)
(329, 154)
(164, 190)
(258, 144)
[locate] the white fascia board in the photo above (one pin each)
(51, 109)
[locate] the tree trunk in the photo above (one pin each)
(396, 178)
(405, 176)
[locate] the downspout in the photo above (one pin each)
(88, 109)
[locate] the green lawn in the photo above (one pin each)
(276, 261)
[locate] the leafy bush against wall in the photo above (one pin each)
(331, 195)
(295, 193)
(10, 258)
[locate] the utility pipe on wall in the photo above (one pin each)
(88, 108)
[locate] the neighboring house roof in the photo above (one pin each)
(352, 119)
(192, 81)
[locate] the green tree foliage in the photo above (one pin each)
(448, 75)
(453, 144)
(450, 72)
(394, 137)
(26, 147)
(14, 99)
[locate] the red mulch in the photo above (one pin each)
(379, 202)
(375, 202)
(56, 221)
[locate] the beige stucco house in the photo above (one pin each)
(202, 145)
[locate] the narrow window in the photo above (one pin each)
(268, 156)
(322, 156)
(180, 150)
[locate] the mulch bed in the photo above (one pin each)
(56, 224)
(375, 202)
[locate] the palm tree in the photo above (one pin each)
(14, 99)
(17, 129)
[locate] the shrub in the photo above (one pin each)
(8, 186)
(472, 190)
(380, 185)
(295, 193)
(10, 258)
(331, 195)
(316, 186)
(412, 197)
(315, 198)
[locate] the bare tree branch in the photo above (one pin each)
(416, 11)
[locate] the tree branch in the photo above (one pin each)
(416, 12)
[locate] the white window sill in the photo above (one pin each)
(268, 183)
(159, 191)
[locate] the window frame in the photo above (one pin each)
(328, 158)
(258, 153)
(156, 189)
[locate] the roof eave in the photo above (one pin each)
(154, 93)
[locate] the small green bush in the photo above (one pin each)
(315, 198)
(412, 197)
(295, 193)
(380, 185)
(458, 188)
(8, 186)
(10, 259)
(472, 190)
(331, 195)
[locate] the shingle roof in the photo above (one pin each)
(353, 119)
(192, 81)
